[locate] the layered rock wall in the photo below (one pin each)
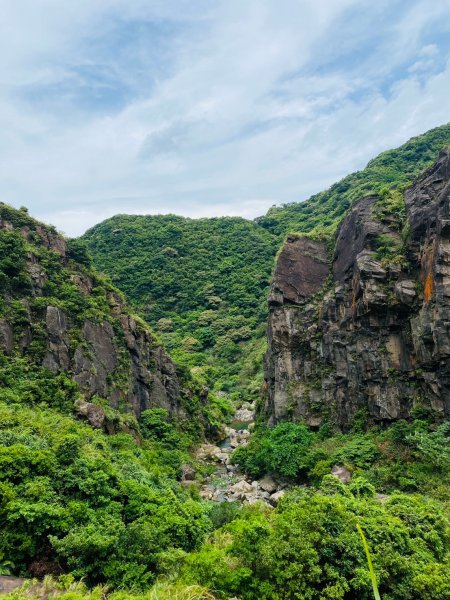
(365, 334)
(110, 354)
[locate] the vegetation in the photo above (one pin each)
(102, 507)
(107, 516)
(391, 169)
(109, 511)
(202, 284)
(310, 547)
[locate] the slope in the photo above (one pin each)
(202, 283)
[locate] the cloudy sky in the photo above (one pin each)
(207, 107)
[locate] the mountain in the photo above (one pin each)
(62, 320)
(202, 283)
(104, 442)
(364, 333)
(322, 213)
(63, 326)
(96, 424)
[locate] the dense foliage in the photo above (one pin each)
(109, 511)
(407, 457)
(102, 507)
(309, 547)
(203, 283)
(71, 497)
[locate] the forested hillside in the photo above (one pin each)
(203, 283)
(106, 446)
(321, 213)
(95, 422)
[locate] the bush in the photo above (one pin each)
(283, 450)
(310, 549)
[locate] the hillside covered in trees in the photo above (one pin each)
(203, 284)
(101, 429)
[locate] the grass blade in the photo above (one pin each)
(373, 577)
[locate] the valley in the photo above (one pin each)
(210, 409)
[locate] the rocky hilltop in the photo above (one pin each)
(58, 316)
(361, 331)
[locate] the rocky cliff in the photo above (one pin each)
(59, 315)
(362, 331)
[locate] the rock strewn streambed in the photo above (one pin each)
(227, 483)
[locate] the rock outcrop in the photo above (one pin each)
(64, 317)
(365, 334)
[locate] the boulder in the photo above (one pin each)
(268, 484)
(245, 415)
(94, 415)
(276, 497)
(241, 488)
(341, 473)
(187, 473)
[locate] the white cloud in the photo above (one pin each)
(247, 104)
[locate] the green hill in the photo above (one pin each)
(88, 497)
(202, 283)
(95, 496)
(321, 213)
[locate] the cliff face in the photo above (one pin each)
(366, 333)
(56, 313)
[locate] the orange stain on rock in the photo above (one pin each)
(428, 290)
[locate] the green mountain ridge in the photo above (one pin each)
(105, 506)
(203, 283)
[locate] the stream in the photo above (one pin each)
(227, 483)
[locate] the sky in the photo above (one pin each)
(207, 107)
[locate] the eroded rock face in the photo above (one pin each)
(110, 354)
(362, 335)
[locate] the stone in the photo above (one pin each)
(351, 333)
(251, 499)
(276, 497)
(187, 473)
(405, 291)
(117, 357)
(241, 488)
(341, 473)
(57, 356)
(268, 484)
(94, 415)
(208, 452)
(223, 457)
(6, 337)
(245, 415)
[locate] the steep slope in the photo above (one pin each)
(62, 322)
(95, 424)
(366, 334)
(200, 283)
(322, 213)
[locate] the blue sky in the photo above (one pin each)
(208, 107)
